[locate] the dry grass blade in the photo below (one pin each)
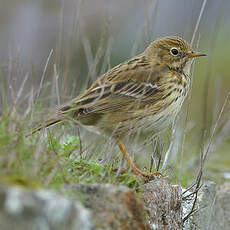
(44, 73)
(189, 188)
(198, 22)
(193, 210)
(215, 127)
(192, 193)
(56, 77)
(166, 158)
(203, 157)
(20, 90)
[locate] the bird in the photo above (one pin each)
(141, 96)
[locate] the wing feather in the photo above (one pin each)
(117, 90)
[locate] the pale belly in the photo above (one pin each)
(163, 119)
(143, 128)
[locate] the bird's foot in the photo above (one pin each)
(144, 175)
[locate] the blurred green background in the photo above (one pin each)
(64, 45)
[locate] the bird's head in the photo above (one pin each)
(174, 52)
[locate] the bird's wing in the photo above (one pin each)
(118, 89)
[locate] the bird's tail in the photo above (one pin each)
(46, 124)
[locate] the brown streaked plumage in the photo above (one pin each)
(142, 95)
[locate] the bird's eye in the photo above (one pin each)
(174, 51)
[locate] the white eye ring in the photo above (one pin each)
(174, 51)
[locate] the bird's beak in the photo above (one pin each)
(193, 55)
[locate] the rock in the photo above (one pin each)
(213, 208)
(112, 207)
(163, 202)
(87, 207)
(24, 209)
(205, 199)
(221, 218)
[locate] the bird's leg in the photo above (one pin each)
(134, 169)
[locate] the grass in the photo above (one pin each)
(50, 162)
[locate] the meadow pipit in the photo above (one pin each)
(142, 95)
